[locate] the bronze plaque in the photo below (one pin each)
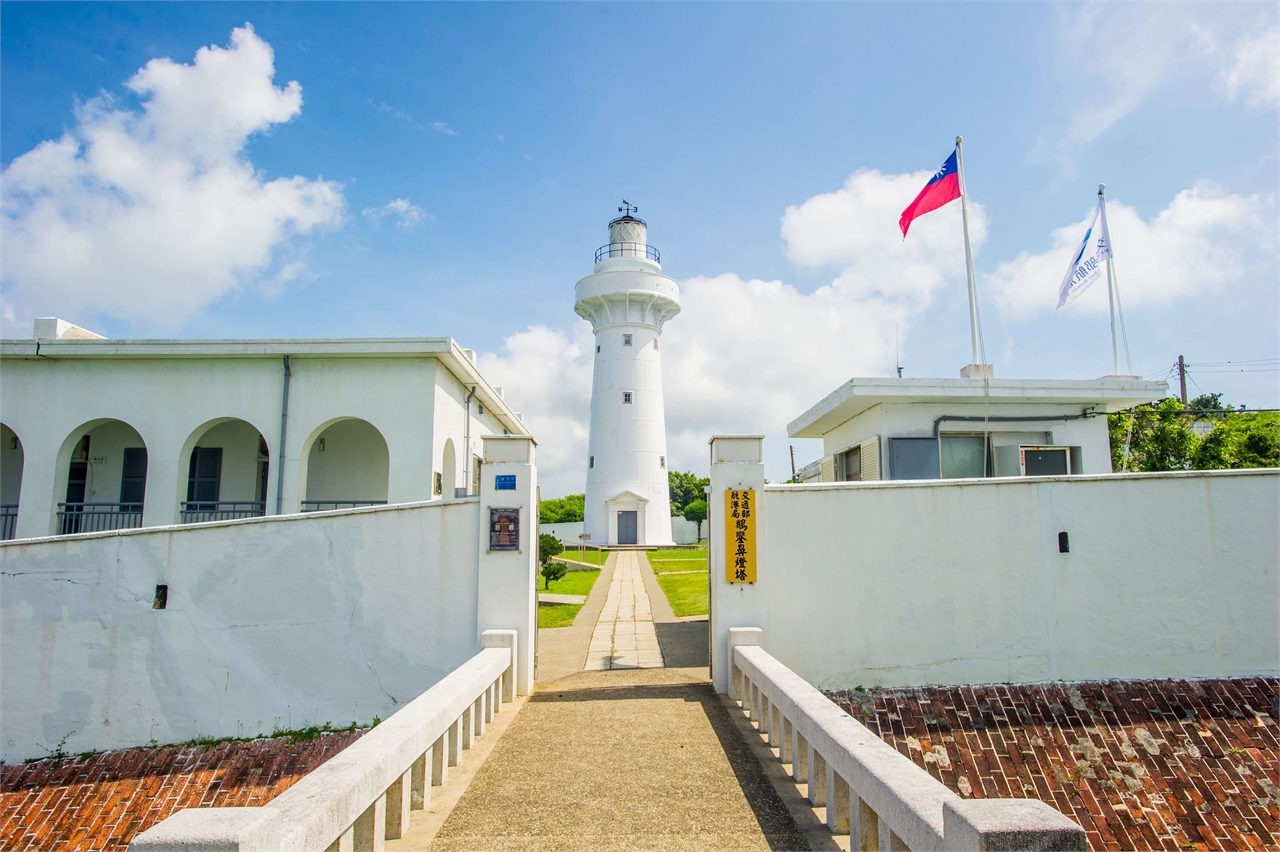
(504, 529)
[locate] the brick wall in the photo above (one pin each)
(1139, 764)
(102, 801)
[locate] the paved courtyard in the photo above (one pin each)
(624, 636)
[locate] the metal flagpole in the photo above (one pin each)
(968, 253)
(1111, 287)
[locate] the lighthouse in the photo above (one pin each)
(628, 300)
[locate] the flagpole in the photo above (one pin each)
(968, 253)
(1111, 287)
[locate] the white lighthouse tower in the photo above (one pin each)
(627, 299)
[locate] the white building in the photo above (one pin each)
(108, 434)
(627, 299)
(894, 428)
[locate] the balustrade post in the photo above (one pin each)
(419, 787)
(482, 714)
(440, 762)
(468, 726)
(817, 779)
(370, 833)
(800, 757)
(399, 802)
(837, 802)
(454, 736)
(786, 749)
(864, 828)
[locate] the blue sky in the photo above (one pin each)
(510, 133)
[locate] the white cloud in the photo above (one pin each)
(151, 215)
(407, 214)
(443, 128)
(1256, 72)
(1202, 242)
(750, 355)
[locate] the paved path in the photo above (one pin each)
(641, 759)
(624, 637)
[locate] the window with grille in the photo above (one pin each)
(626, 397)
(204, 477)
(133, 479)
(626, 340)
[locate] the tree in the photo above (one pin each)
(685, 488)
(1161, 436)
(696, 512)
(548, 547)
(562, 510)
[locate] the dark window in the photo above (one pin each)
(133, 479)
(964, 457)
(626, 340)
(626, 397)
(913, 458)
(591, 462)
(851, 465)
(1045, 462)
(77, 477)
(204, 479)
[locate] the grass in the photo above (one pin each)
(557, 615)
(666, 561)
(687, 593)
(572, 583)
(590, 557)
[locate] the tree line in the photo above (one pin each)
(1205, 435)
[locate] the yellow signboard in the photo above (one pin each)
(740, 536)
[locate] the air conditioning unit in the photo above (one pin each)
(1034, 461)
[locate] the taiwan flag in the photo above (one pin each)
(942, 188)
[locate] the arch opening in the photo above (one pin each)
(348, 465)
(11, 465)
(226, 472)
(105, 481)
(448, 472)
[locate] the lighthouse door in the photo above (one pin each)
(627, 528)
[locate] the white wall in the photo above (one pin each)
(10, 467)
(353, 465)
(107, 443)
(903, 584)
(271, 622)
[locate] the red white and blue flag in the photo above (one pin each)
(942, 188)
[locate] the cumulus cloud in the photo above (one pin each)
(1201, 242)
(1255, 76)
(406, 214)
(151, 214)
(749, 355)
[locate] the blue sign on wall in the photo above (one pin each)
(504, 482)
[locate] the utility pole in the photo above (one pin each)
(1182, 379)
(793, 461)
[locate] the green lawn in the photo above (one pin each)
(557, 615)
(572, 583)
(665, 561)
(591, 557)
(686, 592)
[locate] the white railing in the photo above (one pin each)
(870, 791)
(365, 793)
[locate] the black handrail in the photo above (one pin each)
(98, 517)
(8, 521)
(327, 505)
(628, 250)
(199, 511)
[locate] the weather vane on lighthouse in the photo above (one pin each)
(627, 209)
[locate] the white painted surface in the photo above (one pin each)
(628, 300)
(10, 466)
(240, 465)
(352, 464)
(278, 621)
(173, 392)
(902, 584)
(321, 807)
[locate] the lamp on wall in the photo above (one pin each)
(322, 445)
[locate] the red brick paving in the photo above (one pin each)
(101, 802)
(1169, 764)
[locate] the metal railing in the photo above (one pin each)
(628, 250)
(195, 512)
(98, 517)
(326, 505)
(8, 521)
(364, 795)
(871, 792)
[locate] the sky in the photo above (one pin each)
(430, 169)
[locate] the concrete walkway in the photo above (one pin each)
(624, 637)
(643, 759)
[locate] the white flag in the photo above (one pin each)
(1090, 259)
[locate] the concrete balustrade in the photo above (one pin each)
(364, 795)
(870, 791)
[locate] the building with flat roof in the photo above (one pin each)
(900, 428)
(104, 434)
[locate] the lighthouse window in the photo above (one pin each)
(662, 462)
(626, 340)
(655, 343)
(591, 462)
(597, 347)
(626, 397)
